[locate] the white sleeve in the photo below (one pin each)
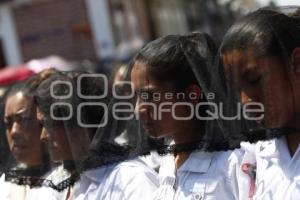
(3, 187)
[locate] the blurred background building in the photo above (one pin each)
(105, 30)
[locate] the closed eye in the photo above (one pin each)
(255, 81)
(8, 123)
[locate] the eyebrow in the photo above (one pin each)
(146, 89)
(19, 113)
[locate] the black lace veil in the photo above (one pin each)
(66, 109)
(261, 37)
(71, 106)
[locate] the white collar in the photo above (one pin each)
(270, 148)
(198, 161)
(267, 149)
(275, 150)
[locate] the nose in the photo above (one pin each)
(44, 135)
(142, 110)
(245, 98)
(15, 130)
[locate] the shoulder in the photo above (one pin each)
(133, 170)
(2, 178)
(3, 184)
(132, 179)
(122, 173)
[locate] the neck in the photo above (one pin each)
(36, 161)
(180, 158)
(293, 141)
(187, 133)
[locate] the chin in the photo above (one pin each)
(55, 157)
(19, 156)
(157, 135)
(152, 134)
(20, 159)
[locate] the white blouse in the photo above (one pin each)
(128, 180)
(11, 191)
(153, 160)
(203, 175)
(278, 174)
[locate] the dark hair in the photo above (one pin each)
(44, 98)
(166, 57)
(29, 86)
(297, 13)
(268, 31)
(116, 70)
(182, 60)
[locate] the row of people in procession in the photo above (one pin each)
(59, 150)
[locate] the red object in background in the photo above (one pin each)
(12, 74)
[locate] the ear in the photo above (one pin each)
(193, 93)
(296, 59)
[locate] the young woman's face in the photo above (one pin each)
(23, 130)
(55, 138)
(154, 103)
(264, 80)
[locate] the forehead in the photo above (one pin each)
(242, 60)
(142, 78)
(249, 59)
(236, 56)
(18, 103)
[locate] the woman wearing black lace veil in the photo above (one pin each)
(118, 76)
(67, 122)
(172, 70)
(179, 88)
(28, 160)
(112, 170)
(261, 57)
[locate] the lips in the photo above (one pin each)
(148, 125)
(17, 147)
(149, 128)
